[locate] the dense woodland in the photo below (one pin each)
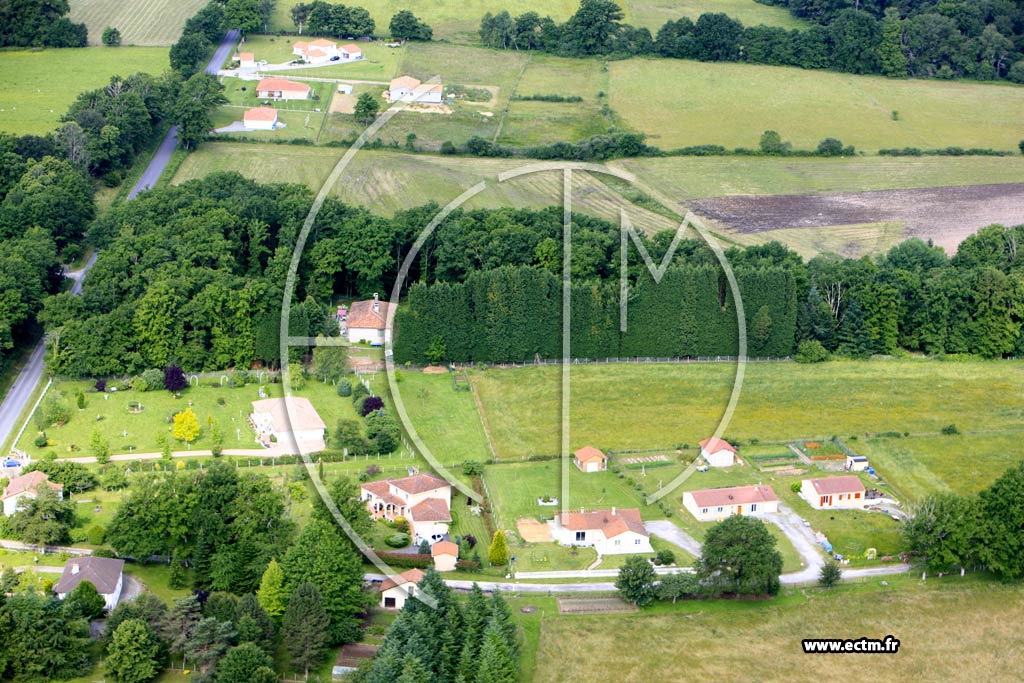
(39, 23)
(919, 38)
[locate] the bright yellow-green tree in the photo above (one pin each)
(498, 552)
(186, 426)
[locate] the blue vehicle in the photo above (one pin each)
(12, 462)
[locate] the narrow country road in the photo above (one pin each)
(21, 390)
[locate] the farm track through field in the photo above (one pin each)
(946, 215)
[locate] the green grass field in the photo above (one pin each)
(141, 22)
(945, 627)
(243, 94)
(652, 14)
(380, 63)
(304, 125)
(41, 84)
(678, 103)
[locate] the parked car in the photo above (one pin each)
(335, 58)
(11, 462)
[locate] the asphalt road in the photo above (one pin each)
(21, 391)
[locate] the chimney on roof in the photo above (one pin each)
(376, 302)
(613, 511)
(74, 568)
(582, 510)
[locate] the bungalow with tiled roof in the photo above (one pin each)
(281, 89)
(395, 591)
(291, 422)
(424, 500)
(609, 532)
(105, 574)
(826, 493)
(718, 452)
(366, 322)
(20, 490)
(260, 118)
(409, 89)
(714, 505)
(350, 52)
(589, 459)
(247, 60)
(446, 556)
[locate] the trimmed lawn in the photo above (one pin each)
(678, 103)
(141, 22)
(298, 125)
(40, 85)
(243, 94)
(945, 627)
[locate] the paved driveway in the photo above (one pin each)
(802, 538)
(667, 530)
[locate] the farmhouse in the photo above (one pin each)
(24, 488)
(856, 463)
(424, 500)
(609, 532)
(367, 321)
(281, 89)
(409, 89)
(394, 591)
(589, 459)
(714, 505)
(247, 60)
(718, 452)
(106, 574)
(846, 491)
(260, 118)
(291, 421)
(445, 554)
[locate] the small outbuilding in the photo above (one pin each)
(843, 492)
(856, 463)
(395, 591)
(247, 60)
(445, 554)
(718, 452)
(590, 459)
(260, 118)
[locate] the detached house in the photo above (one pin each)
(844, 492)
(409, 89)
(21, 489)
(424, 500)
(367, 321)
(281, 89)
(395, 591)
(106, 574)
(718, 452)
(589, 459)
(290, 422)
(714, 505)
(609, 532)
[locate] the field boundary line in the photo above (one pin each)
(483, 417)
(511, 94)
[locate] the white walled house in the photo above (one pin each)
(281, 89)
(20, 490)
(718, 452)
(424, 500)
(246, 60)
(106, 574)
(409, 89)
(292, 422)
(260, 118)
(609, 532)
(828, 493)
(714, 505)
(394, 592)
(367, 322)
(590, 459)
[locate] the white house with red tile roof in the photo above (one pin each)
(395, 591)
(714, 505)
(424, 500)
(409, 89)
(20, 490)
(292, 422)
(609, 532)
(105, 574)
(323, 51)
(281, 89)
(590, 459)
(367, 322)
(260, 118)
(350, 52)
(828, 493)
(718, 452)
(446, 555)
(246, 60)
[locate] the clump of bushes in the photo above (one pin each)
(811, 351)
(344, 388)
(950, 430)
(664, 557)
(398, 540)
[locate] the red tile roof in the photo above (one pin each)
(323, 42)
(281, 84)
(363, 315)
(290, 414)
(588, 453)
(404, 81)
(444, 548)
(29, 482)
(713, 445)
(612, 525)
(409, 576)
(846, 483)
(430, 510)
(350, 48)
(735, 495)
(419, 483)
(382, 490)
(246, 56)
(260, 114)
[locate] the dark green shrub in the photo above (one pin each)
(398, 540)
(344, 388)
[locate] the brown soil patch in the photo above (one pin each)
(435, 370)
(533, 531)
(607, 605)
(946, 215)
(352, 654)
(343, 104)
